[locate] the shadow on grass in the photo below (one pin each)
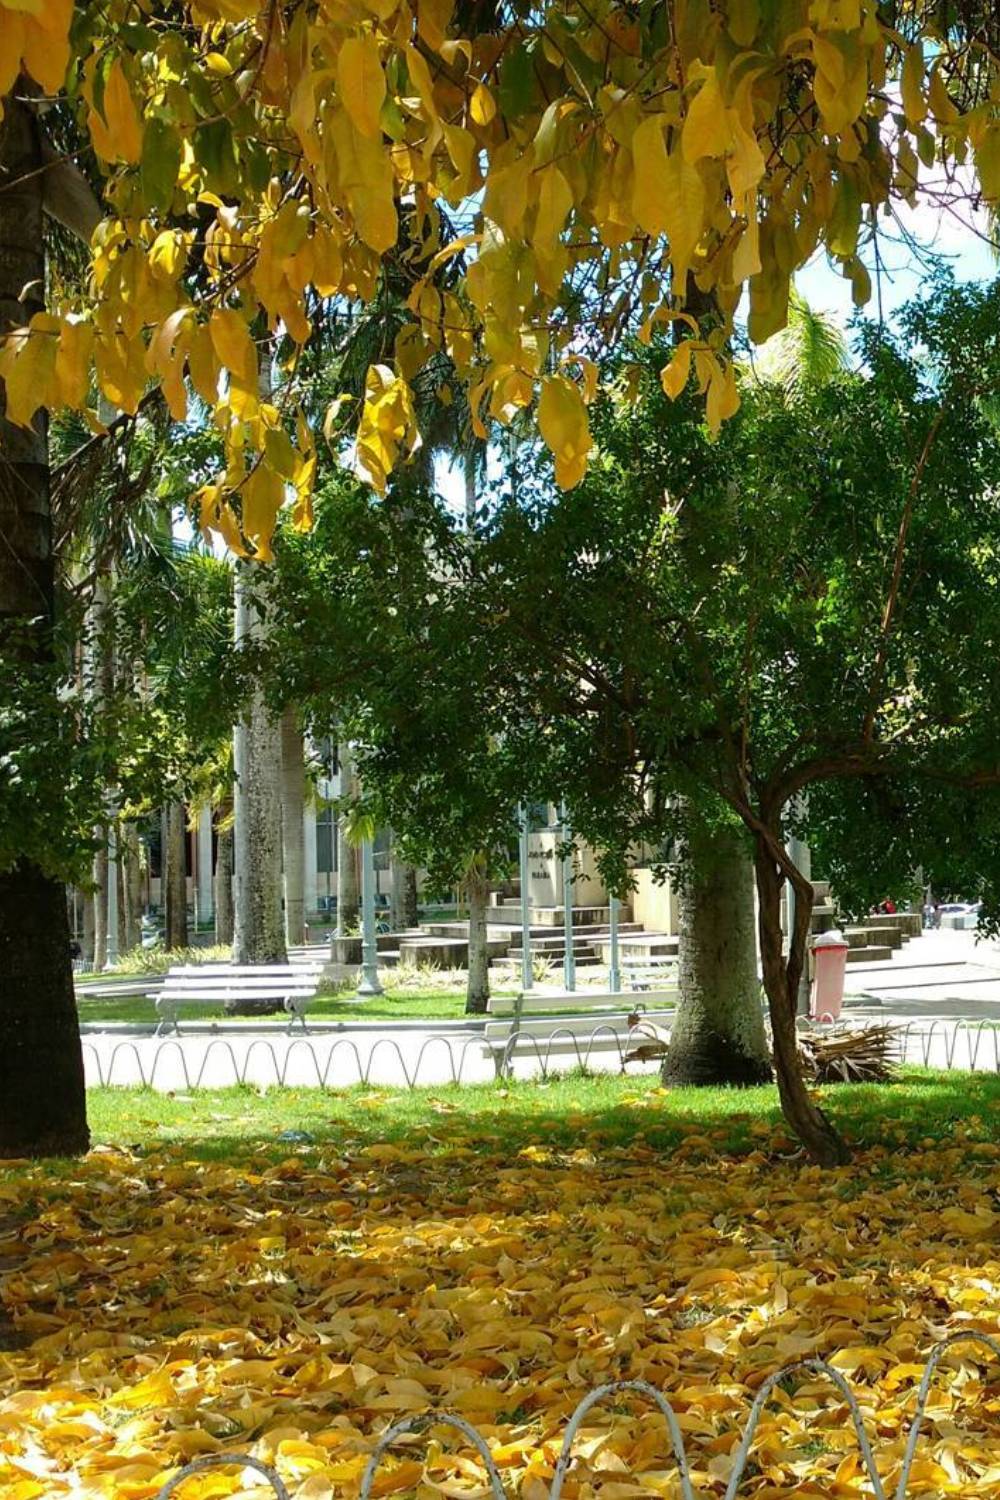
(560, 1115)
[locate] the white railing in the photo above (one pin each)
(424, 1420)
(966, 1046)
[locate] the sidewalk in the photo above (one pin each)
(940, 973)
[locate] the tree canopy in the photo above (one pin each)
(574, 170)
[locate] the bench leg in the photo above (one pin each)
(295, 1013)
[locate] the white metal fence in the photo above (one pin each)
(219, 1062)
(602, 1393)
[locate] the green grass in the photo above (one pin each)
(401, 1004)
(575, 1111)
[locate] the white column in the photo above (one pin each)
(309, 839)
(203, 866)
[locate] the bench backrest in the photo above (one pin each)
(579, 1003)
(252, 981)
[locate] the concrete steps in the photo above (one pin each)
(554, 916)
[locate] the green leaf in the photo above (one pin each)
(160, 162)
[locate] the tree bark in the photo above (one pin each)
(411, 913)
(43, 1108)
(224, 884)
(718, 1034)
(175, 878)
(477, 891)
(87, 944)
(293, 841)
(781, 982)
(131, 868)
(99, 897)
(259, 936)
(348, 874)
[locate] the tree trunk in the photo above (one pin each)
(175, 878)
(87, 944)
(43, 1109)
(781, 982)
(477, 890)
(718, 1034)
(293, 839)
(348, 881)
(411, 914)
(131, 867)
(259, 936)
(100, 899)
(224, 884)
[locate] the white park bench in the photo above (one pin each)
(653, 972)
(575, 1025)
(288, 987)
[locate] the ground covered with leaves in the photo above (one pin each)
(290, 1293)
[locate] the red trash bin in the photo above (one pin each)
(830, 959)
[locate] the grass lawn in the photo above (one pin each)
(402, 1004)
(920, 1108)
(206, 1280)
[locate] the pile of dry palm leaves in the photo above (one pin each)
(868, 1055)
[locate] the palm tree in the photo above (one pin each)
(811, 350)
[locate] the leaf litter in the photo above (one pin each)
(161, 1307)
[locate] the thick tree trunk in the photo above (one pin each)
(175, 878)
(718, 1034)
(224, 885)
(259, 936)
(293, 840)
(42, 1098)
(348, 872)
(781, 981)
(477, 891)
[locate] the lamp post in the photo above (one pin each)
(369, 983)
(569, 957)
(614, 972)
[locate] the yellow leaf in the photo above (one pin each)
(167, 255)
(366, 181)
(28, 368)
(988, 164)
(233, 344)
(11, 51)
(563, 424)
(361, 83)
(911, 84)
(118, 135)
(73, 360)
(262, 497)
(674, 376)
(482, 106)
(46, 44)
(706, 128)
(668, 196)
(388, 428)
(432, 21)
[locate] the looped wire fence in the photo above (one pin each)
(424, 1420)
(968, 1046)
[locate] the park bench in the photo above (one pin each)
(653, 972)
(564, 1024)
(288, 987)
